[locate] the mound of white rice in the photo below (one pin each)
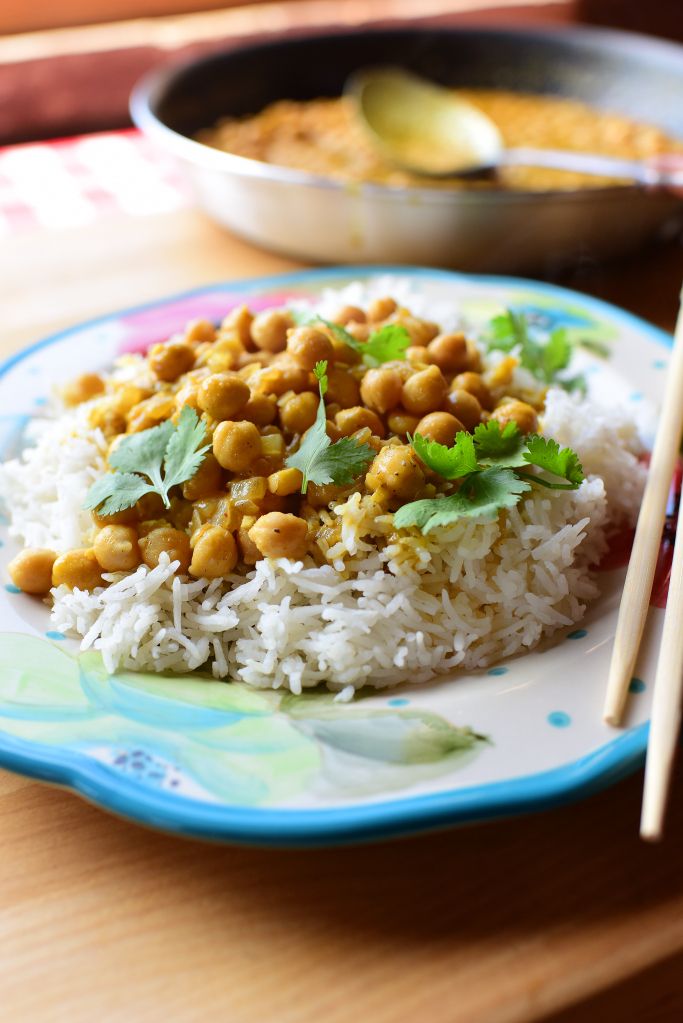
(402, 608)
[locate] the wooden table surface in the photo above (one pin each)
(564, 915)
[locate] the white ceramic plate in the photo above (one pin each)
(215, 759)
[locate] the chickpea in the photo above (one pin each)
(424, 391)
(279, 535)
(396, 470)
(401, 422)
(150, 506)
(308, 346)
(188, 395)
(298, 412)
(165, 539)
(269, 330)
(200, 330)
(122, 518)
(465, 407)
(517, 412)
(281, 378)
(31, 570)
(474, 383)
(116, 548)
(285, 482)
(333, 431)
(361, 332)
(151, 412)
(261, 409)
(351, 419)
(222, 395)
(421, 331)
(449, 352)
(381, 309)
(129, 395)
(342, 388)
(170, 360)
(236, 445)
(108, 419)
(440, 426)
(206, 481)
(381, 389)
(180, 512)
(83, 388)
(239, 321)
(214, 554)
(349, 314)
(417, 355)
(78, 569)
(474, 360)
(224, 355)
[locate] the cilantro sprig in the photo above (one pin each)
(546, 360)
(321, 461)
(488, 467)
(387, 344)
(150, 462)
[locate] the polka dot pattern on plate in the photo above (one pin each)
(559, 719)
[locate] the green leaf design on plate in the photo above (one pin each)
(36, 674)
(399, 737)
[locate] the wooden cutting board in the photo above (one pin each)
(564, 915)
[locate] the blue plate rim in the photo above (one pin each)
(100, 784)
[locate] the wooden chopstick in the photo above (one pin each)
(641, 568)
(666, 704)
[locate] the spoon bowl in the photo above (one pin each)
(422, 127)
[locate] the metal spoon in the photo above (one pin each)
(431, 131)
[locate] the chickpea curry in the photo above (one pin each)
(324, 137)
(230, 444)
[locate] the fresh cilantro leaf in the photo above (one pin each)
(483, 494)
(309, 457)
(387, 344)
(545, 361)
(139, 458)
(507, 331)
(117, 491)
(143, 452)
(318, 459)
(496, 446)
(346, 459)
(183, 454)
(451, 463)
(555, 354)
(576, 383)
(564, 463)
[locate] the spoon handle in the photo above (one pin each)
(662, 172)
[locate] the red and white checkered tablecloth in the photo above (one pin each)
(76, 181)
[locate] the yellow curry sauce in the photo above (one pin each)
(324, 137)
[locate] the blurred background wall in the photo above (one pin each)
(67, 67)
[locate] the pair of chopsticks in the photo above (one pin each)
(668, 687)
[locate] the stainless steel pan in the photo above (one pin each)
(318, 220)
